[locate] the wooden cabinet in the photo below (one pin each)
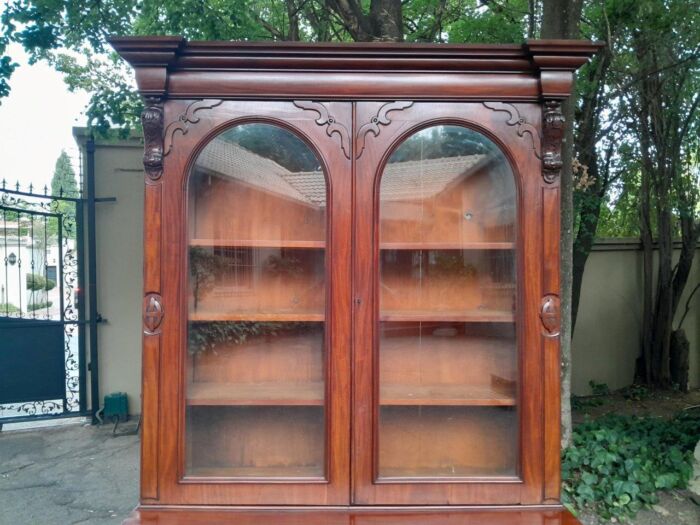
(351, 279)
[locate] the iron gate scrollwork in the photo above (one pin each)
(43, 315)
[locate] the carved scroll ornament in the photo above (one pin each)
(152, 122)
(152, 313)
(515, 119)
(553, 127)
(382, 117)
(328, 120)
(550, 315)
(185, 119)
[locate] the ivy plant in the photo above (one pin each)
(617, 464)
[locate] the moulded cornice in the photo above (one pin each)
(181, 69)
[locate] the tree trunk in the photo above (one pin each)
(293, 21)
(643, 372)
(590, 198)
(583, 243)
(663, 125)
(662, 319)
(561, 20)
(387, 20)
(383, 23)
(680, 356)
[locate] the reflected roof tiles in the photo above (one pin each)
(401, 181)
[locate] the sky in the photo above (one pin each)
(36, 122)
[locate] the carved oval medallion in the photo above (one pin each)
(152, 312)
(550, 314)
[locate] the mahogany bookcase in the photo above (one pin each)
(351, 283)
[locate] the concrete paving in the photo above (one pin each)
(67, 475)
(82, 474)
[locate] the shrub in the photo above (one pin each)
(38, 306)
(36, 282)
(8, 308)
(616, 464)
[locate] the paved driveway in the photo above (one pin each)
(65, 475)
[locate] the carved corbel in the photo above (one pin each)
(553, 127)
(152, 122)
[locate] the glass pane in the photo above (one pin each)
(448, 363)
(256, 359)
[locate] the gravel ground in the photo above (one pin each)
(82, 474)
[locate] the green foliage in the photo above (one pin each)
(7, 67)
(204, 266)
(274, 143)
(444, 141)
(503, 22)
(636, 392)
(38, 306)
(599, 389)
(47, 28)
(283, 266)
(584, 402)
(450, 264)
(36, 282)
(616, 464)
(63, 181)
(8, 308)
(211, 336)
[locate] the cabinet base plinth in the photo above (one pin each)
(352, 516)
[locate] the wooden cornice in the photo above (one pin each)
(173, 67)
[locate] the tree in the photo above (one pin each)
(46, 29)
(663, 103)
(63, 184)
(595, 136)
(561, 19)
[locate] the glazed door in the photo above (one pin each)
(447, 367)
(255, 381)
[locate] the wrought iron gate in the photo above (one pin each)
(44, 315)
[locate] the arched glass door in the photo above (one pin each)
(257, 299)
(446, 312)
(442, 317)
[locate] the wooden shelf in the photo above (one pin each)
(254, 243)
(255, 394)
(447, 245)
(471, 316)
(256, 317)
(255, 472)
(445, 395)
(409, 473)
(311, 394)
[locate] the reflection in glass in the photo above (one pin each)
(447, 349)
(255, 374)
